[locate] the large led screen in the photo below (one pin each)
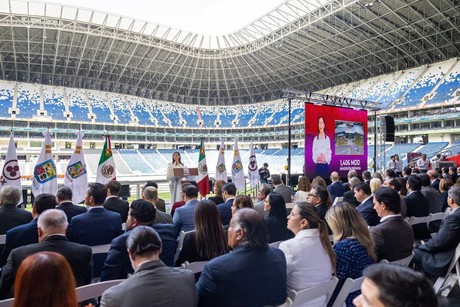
(335, 140)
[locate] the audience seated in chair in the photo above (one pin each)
(10, 215)
(389, 285)
(150, 194)
(275, 218)
(64, 199)
(417, 205)
(113, 202)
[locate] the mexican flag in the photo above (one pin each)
(106, 167)
(203, 177)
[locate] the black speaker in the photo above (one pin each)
(390, 129)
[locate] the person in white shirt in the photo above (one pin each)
(423, 164)
(310, 259)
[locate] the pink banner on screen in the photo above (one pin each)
(335, 140)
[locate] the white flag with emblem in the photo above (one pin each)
(45, 175)
(253, 171)
(237, 169)
(11, 174)
(221, 170)
(76, 177)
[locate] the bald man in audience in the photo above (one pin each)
(52, 227)
(336, 188)
(150, 194)
(10, 215)
(434, 178)
(393, 237)
(152, 283)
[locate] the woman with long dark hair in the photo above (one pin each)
(310, 259)
(275, 220)
(321, 150)
(175, 186)
(209, 239)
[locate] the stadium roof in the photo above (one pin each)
(301, 44)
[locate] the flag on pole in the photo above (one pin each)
(237, 168)
(11, 174)
(106, 167)
(76, 177)
(253, 170)
(221, 170)
(45, 174)
(203, 177)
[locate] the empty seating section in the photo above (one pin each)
(140, 110)
(76, 99)
(171, 113)
(120, 108)
(432, 148)
(380, 87)
(99, 106)
(246, 114)
(227, 115)
(136, 162)
(280, 115)
(297, 111)
(28, 101)
(264, 113)
(363, 87)
(404, 82)
(157, 161)
(209, 116)
(6, 97)
(425, 84)
(189, 114)
(53, 102)
(449, 85)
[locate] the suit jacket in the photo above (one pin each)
(394, 238)
(117, 264)
(336, 189)
(225, 211)
(161, 205)
(435, 184)
(433, 197)
(321, 210)
(437, 253)
(118, 205)
(70, 209)
(417, 205)
(254, 278)
(285, 191)
(95, 227)
(368, 212)
(162, 217)
(259, 207)
(10, 217)
(184, 217)
(153, 283)
(19, 236)
(217, 199)
(79, 257)
(349, 197)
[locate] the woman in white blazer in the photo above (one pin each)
(309, 255)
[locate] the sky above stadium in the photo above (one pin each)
(209, 17)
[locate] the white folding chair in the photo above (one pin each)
(180, 243)
(275, 244)
(195, 267)
(440, 216)
(7, 303)
(338, 199)
(405, 261)
(444, 285)
(95, 290)
(2, 239)
(100, 249)
(301, 297)
(349, 286)
(415, 220)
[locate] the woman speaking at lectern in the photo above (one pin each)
(175, 186)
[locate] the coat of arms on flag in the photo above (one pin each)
(45, 171)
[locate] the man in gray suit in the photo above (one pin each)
(152, 282)
(393, 237)
(264, 190)
(281, 188)
(150, 194)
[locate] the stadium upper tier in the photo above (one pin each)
(414, 88)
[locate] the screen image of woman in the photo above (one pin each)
(322, 152)
(175, 186)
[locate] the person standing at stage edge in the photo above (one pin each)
(264, 173)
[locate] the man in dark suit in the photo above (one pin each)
(97, 226)
(349, 196)
(436, 255)
(431, 194)
(27, 233)
(52, 225)
(367, 177)
(117, 264)
(225, 209)
(113, 202)
(64, 199)
(160, 203)
(184, 217)
(280, 188)
(434, 178)
(336, 188)
(393, 237)
(351, 174)
(253, 274)
(10, 215)
(150, 194)
(366, 208)
(152, 281)
(417, 205)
